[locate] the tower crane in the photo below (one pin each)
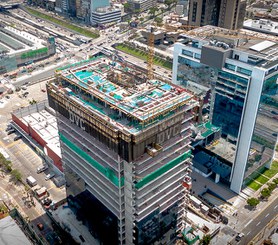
(151, 54)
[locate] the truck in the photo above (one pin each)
(31, 181)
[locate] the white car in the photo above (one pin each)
(49, 176)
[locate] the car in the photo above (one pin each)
(11, 131)
(82, 238)
(274, 112)
(49, 176)
(275, 134)
(7, 96)
(42, 168)
(239, 236)
(40, 226)
(17, 137)
(47, 201)
(9, 127)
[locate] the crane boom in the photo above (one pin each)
(151, 54)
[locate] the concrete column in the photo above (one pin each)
(246, 129)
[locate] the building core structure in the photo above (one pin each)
(242, 72)
(126, 153)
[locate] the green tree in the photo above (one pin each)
(271, 186)
(206, 240)
(152, 11)
(170, 3)
(16, 175)
(253, 202)
(275, 181)
(7, 165)
(158, 20)
(127, 7)
(265, 193)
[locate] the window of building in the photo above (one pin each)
(195, 44)
(244, 71)
(187, 53)
(233, 77)
(253, 60)
(197, 56)
(194, 11)
(230, 67)
(236, 57)
(184, 61)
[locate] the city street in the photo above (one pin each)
(256, 224)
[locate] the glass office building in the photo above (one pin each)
(243, 76)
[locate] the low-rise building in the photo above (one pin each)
(262, 25)
(105, 15)
(19, 48)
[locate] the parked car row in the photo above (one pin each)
(11, 130)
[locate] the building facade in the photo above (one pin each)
(10, 59)
(243, 74)
(107, 15)
(126, 150)
(223, 13)
(141, 5)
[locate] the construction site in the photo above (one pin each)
(125, 140)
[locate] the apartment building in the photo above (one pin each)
(223, 13)
(126, 152)
(243, 74)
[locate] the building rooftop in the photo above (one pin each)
(11, 234)
(260, 45)
(120, 94)
(14, 41)
(262, 25)
(45, 125)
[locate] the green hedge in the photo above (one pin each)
(144, 56)
(72, 27)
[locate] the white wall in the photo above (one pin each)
(246, 129)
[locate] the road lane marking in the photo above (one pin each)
(248, 233)
(249, 222)
(275, 206)
(266, 215)
(258, 223)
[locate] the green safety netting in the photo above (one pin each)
(107, 172)
(150, 177)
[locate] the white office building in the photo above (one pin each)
(244, 75)
(105, 15)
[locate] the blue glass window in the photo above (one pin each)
(197, 56)
(244, 71)
(187, 53)
(233, 77)
(230, 67)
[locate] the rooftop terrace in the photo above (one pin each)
(110, 90)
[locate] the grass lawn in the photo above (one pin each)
(274, 166)
(72, 27)
(144, 56)
(262, 179)
(254, 185)
(269, 172)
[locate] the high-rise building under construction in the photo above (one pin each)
(126, 151)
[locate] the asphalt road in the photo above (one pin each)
(256, 225)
